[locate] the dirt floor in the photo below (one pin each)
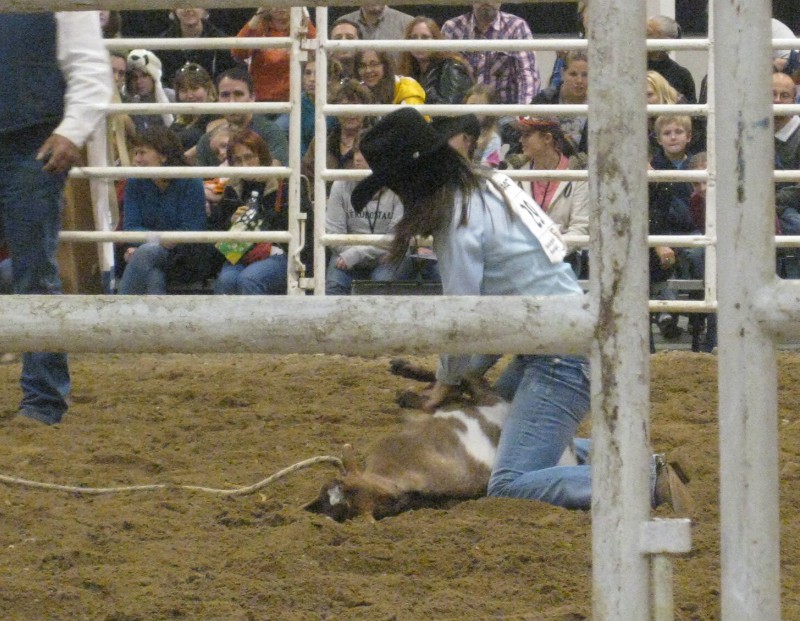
(230, 421)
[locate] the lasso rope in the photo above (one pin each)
(239, 491)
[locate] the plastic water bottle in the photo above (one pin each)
(248, 221)
(252, 209)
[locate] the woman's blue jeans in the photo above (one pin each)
(265, 277)
(549, 399)
(146, 271)
(30, 218)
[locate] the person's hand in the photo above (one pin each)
(666, 257)
(261, 15)
(240, 211)
(439, 394)
(59, 154)
(129, 254)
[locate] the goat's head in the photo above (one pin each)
(355, 494)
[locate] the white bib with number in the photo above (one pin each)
(532, 216)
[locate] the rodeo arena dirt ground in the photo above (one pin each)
(228, 421)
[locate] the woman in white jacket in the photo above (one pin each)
(545, 147)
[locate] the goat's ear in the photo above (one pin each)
(349, 460)
(330, 496)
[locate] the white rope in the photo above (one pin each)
(239, 491)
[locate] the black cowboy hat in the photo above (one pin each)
(406, 155)
(449, 126)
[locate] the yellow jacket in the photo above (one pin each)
(408, 91)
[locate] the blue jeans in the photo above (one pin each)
(549, 398)
(266, 277)
(30, 212)
(340, 282)
(145, 273)
(6, 277)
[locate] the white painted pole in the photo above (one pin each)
(295, 94)
(619, 285)
(744, 145)
(358, 325)
(320, 149)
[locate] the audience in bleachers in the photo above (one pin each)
(787, 155)
(513, 75)
(488, 149)
(545, 146)
(378, 21)
(236, 86)
(669, 213)
(308, 89)
(269, 67)
(445, 76)
(344, 29)
(160, 205)
(143, 85)
(344, 132)
(193, 23)
(193, 84)
(572, 90)
(422, 77)
(376, 72)
(259, 268)
(663, 27)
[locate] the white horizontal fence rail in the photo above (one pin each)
(298, 324)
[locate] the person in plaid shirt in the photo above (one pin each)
(513, 75)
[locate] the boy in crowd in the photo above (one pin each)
(669, 212)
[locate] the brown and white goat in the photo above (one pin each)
(433, 460)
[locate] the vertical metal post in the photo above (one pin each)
(619, 285)
(748, 426)
(320, 149)
(295, 94)
(711, 165)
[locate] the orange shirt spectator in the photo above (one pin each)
(269, 68)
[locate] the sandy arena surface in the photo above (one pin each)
(230, 421)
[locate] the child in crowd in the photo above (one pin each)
(697, 258)
(669, 212)
(488, 149)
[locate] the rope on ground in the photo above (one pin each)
(239, 491)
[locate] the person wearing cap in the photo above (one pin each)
(545, 147)
(573, 89)
(492, 239)
(144, 86)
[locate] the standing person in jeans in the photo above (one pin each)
(492, 239)
(48, 108)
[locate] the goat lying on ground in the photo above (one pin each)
(430, 462)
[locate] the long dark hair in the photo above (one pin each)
(383, 91)
(428, 213)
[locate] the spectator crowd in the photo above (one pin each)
(535, 142)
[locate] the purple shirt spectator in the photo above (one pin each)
(513, 75)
